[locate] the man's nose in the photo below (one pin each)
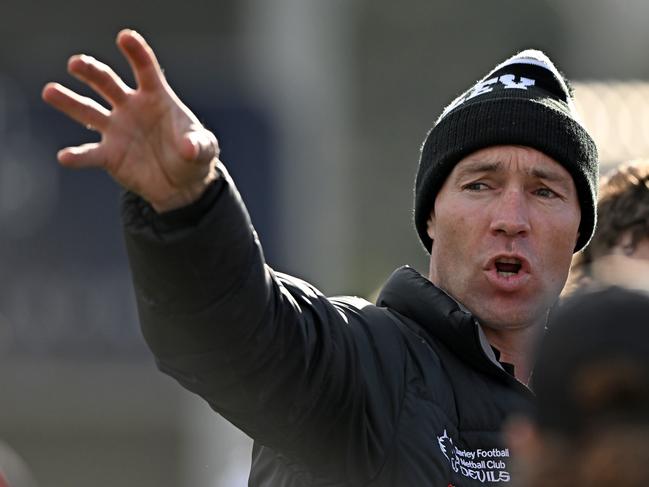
(511, 215)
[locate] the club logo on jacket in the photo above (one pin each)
(483, 465)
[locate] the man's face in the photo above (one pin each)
(504, 227)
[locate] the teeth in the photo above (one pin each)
(506, 274)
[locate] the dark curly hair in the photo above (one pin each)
(623, 207)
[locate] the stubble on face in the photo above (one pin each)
(504, 228)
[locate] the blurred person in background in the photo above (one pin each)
(338, 391)
(591, 381)
(619, 250)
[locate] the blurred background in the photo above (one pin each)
(320, 108)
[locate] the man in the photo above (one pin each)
(619, 250)
(338, 391)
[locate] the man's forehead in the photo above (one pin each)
(505, 159)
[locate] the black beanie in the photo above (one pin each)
(522, 101)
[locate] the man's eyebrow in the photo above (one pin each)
(548, 175)
(473, 167)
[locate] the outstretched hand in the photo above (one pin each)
(151, 143)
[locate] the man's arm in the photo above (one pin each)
(267, 351)
(310, 377)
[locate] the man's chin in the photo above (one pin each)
(509, 318)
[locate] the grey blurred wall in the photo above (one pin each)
(320, 107)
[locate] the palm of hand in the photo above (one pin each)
(151, 142)
(143, 147)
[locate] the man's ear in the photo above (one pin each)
(430, 225)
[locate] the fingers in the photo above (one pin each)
(86, 155)
(100, 78)
(84, 110)
(199, 146)
(142, 60)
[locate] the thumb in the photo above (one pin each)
(199, 146)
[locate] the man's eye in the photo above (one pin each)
(545, 193)
(475, 186)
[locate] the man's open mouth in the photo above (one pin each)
(506, 266)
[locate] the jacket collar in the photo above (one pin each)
(441, 317)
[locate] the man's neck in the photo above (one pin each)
(515, 347)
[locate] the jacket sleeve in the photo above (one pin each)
(300, 373)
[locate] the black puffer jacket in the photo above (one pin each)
(335, 392)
